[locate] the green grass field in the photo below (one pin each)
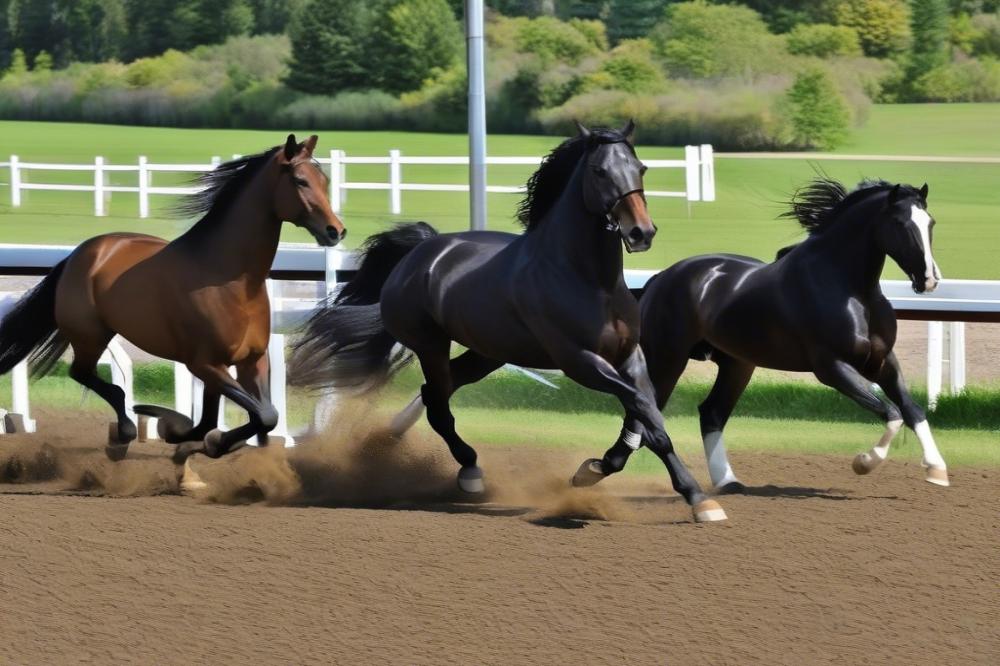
(964, 197)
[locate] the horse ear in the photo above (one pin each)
(894, 195)
(584, 132)
(311, 144)
(923, 192)
(629, 131)
(291, 147)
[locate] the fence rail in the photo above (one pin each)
(698, 167)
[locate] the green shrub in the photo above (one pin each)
(347, 111)
(883, 26)
(823, 40)
(629, 67)
(553, 40)
(817, 112)
(961, 81)
(986, 40)
(698, 40)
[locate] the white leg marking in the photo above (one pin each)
(632, 440)
(718, 461)
(932, 457)
(891, 429)
(407, 418)
(922, 219)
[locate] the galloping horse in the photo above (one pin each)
(553, 297)
(818, 308)
(199, 299)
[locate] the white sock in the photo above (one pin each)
(932, 457)
(718, 462)
(891, 428)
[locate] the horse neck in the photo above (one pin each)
(240, 243)
(580, 238)
(849, 247)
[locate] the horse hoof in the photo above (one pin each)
(470, 480)
(733, 487)
(118, 441)
(708, 511)
(938, 476)
(864, 463)
(191, 482)
(186, 450)
(590, 473)
(213, 443)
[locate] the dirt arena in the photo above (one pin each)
(325, 555)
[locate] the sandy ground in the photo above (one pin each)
(349, 550)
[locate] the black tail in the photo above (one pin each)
(30, 328)
(345, 343)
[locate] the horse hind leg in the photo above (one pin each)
(84, 370)
(714, 413)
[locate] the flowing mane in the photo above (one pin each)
(547, 184)
(222, 185)
(815, 206)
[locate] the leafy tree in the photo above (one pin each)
(18, 63)
(553, 40)
(883, 26)
(585, 9)
(699, 40)
(410, 39)
(522, 7)
(5, 36)
(929, 24)
(197, 22)
(329, 47)
(31, 22)
(150, 25)
(628, 19)
(823, 40)
(818, 113)
(271, 17)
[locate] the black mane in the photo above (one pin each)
(222, 185)
(547, 184)
(815, 206)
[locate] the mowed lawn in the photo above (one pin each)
(965, 198)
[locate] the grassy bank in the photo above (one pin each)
(964, 198)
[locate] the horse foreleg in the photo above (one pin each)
(846, 379)
(714, 412)
(590, 370)
(891, 380)
(84, 370)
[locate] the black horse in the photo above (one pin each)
(818, 308)
(553, 297)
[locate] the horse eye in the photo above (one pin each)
(601, 171)
(301, 182)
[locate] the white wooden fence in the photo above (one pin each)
(954, 301)
(698, 170)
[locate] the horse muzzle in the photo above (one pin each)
(330, 236)
(638, 239)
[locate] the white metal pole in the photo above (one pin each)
(335, 175)
(477, 112)
(707, 172)
(935, 354)
(334, 259)
(15, 181)
(692, 167)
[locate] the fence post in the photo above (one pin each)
(395, 178)
(182, 389)
(334, 258)
(335, 176)
(121, 373)
(143, 187)
(935, 354)
(956, 357)
(707, 172)
(216, 161)
(276, 360)
(20, 416)
(15, 181)
(99, 200)
(691, 171)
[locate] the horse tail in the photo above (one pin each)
(345, 343)
(30, 329)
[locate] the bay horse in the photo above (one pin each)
(199, 299)
(817, 308)
(552, 297)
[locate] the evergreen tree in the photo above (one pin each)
(197, 22)
(628, 19)
(18, 63)
(149, 24)
(271, 17)
(6, 44)
(929, 22)
(328, 47)
(43, 62)
(583, 9)
(31, 25)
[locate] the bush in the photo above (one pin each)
(883, 26)
(817, 112)
(962, 81)
(629, 67)
(986, 40)
(708, 41)
(553, 40)
(823, 40)
(347, 111)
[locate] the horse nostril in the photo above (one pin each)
(331, 231)
(635, 234)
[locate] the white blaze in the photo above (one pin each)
(922, 220)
